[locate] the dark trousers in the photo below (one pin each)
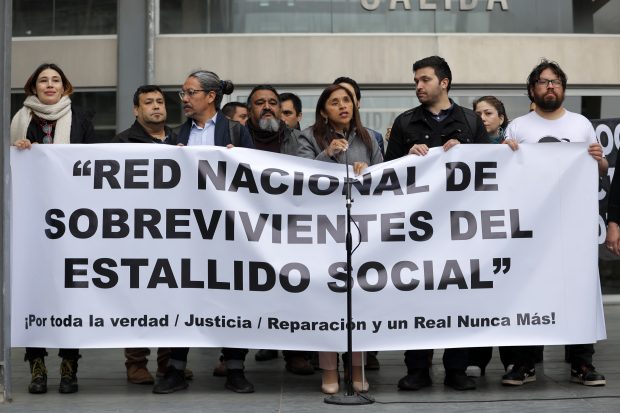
(180, 353)
(65, 353)
(453, 359)
(481, 356)
(580, 354)
(289, 354)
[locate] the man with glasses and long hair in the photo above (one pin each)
(202, 95)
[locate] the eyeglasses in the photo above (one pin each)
(190, 92)
(549, 82)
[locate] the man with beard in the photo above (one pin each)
(438, 121)
(551, 122)
(270, 133)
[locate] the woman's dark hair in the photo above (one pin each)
(497, 104)
(31, 84)
(209, 81)
(324, 133)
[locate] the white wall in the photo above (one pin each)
(376, 59)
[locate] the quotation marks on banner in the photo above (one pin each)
(79, 170)
(498, 263)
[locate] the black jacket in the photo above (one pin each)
(82, 130)
(223, 128)
(613, 207)
(416, 126)
(137, 134)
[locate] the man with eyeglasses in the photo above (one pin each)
(202, 95)
(551, 122)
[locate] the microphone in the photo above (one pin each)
(346, 165)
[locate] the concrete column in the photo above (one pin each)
(135, 51)
(6, 13)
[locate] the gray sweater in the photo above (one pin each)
(357, 152)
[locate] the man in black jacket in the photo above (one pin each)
(149, 108)
(438, 121)
(202, 94)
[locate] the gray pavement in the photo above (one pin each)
(103, 387)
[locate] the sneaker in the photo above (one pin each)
(137, 374)
(236, 381)
(68, 376)
(266, 355)
(172, 381)
(458, 380)
(299, 365)
(518, 376)
(38, 371)
(415, 380)
(587, 375)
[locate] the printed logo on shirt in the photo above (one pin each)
(547, 139)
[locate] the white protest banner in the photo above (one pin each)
(150, 245)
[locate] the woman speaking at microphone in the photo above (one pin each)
(338, 131)
(47, 116)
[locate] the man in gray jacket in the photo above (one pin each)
(270, 133)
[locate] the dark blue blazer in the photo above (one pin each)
(221, 137)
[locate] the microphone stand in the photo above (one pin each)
(350, 397)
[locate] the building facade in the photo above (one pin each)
(109, 47)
